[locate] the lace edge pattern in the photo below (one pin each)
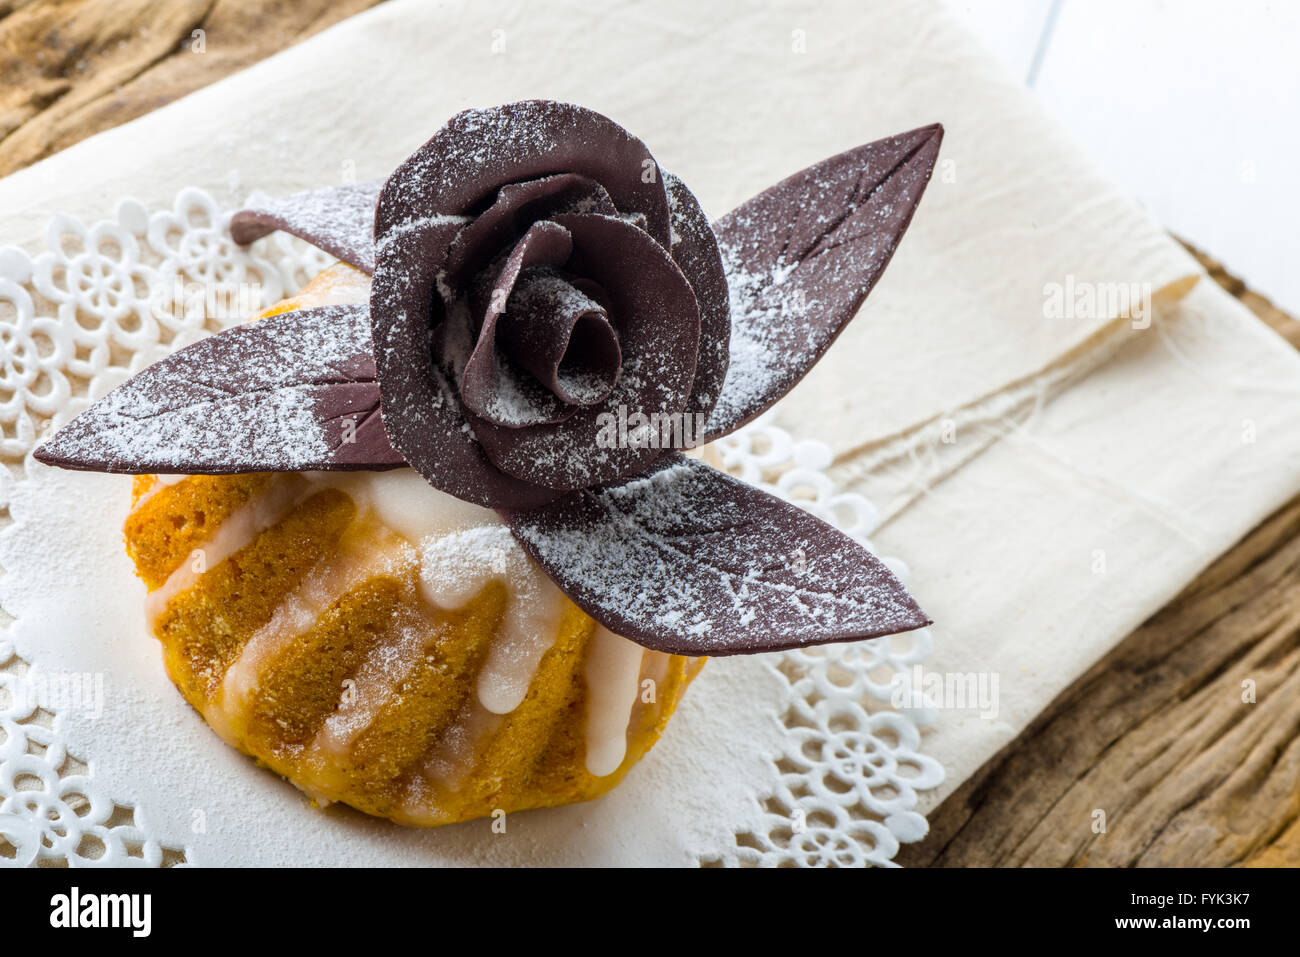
(99, 304)
(846, 784)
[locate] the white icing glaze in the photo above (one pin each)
(406, 503)
(456, 567)
(462, 548)
(458, 549)
(656, 667)
(245, 524)
(613, 675)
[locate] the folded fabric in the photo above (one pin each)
(1082, 513)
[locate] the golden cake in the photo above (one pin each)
(385, 645)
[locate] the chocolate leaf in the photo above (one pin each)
(295, 391)
(339, 220)
(801, 256)
(687, 560)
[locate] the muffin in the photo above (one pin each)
(384, 645)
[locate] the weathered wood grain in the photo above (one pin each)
(1161, 735)
(71, 68)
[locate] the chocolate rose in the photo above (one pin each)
(536, 272)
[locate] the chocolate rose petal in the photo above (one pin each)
(563, 337)
(339, 220)
(800, 258)
(501, 393)
(654, 312)
(478, 150)
(695, 250)
(516, 207)
(423, 414)
(686, 560)
(292, 392)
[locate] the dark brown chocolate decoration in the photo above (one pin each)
(801, 256)
(687, 560)
(413, 339)
(490, 386)
(654, 311)
(293, 392)
(540, 288)
(479, 151)
(518, 206)
(695, 250)
(338, 219)
(526, 287)
(562, 335)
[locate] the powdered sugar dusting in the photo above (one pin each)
(687, 560)
(479, 149)
(267, 396)
(396, 233)
(338, 219)
(769, 321)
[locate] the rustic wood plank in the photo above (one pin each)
(71, 68)
(1157, 734)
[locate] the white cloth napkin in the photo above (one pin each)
(1051, 480)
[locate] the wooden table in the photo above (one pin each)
(71, 68)
(1156, 734)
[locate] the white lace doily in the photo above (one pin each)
(782, 759)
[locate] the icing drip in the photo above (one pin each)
(234, 533)
(656, 666)
(613, 677)
(456, 567)
(322, 587)
(462, 548)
